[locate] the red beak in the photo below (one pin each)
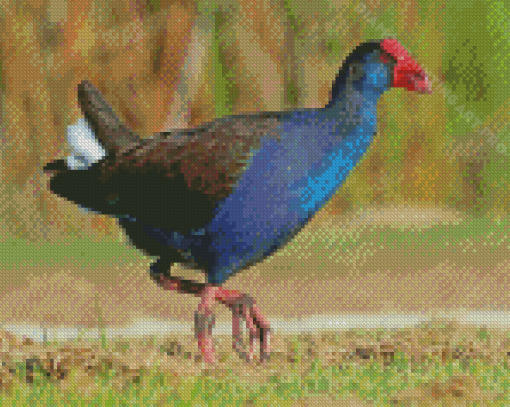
(412, 77)
(421, 83)
(406, 73)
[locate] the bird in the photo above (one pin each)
(222, 196)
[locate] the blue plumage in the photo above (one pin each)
(227, 194)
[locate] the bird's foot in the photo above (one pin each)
(243, 307)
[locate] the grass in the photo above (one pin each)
(494, 234)
(435, 363)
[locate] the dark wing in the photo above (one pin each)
(175, 180)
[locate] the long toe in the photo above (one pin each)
(243, 308)
(241, 312)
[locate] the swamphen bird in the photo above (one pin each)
(223, 196)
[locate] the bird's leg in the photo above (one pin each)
(159, 273)
(204, 317)
(243, 306)
(204, 322)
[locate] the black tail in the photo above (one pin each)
(113, 134)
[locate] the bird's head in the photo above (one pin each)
(376, 66)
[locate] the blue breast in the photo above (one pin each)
(285, 183)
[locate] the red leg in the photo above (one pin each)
(204, 323)
(180, 285)
(242, 307)
(204, 317)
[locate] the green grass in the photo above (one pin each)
(16, 251)
(337, 240)
(373, 380)
(302, 369)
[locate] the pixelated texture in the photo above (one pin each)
(418, 226)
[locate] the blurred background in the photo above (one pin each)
(166, 64)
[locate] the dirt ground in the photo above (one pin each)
(369, 280)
